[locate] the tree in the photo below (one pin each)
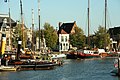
(50, 35)
(18, 33)
(101, 38)
(77, 39)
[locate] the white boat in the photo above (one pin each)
(8, 68)
(57, 56)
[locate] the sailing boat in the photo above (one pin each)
(27, 61)
(87, 53)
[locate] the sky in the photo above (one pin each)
(55, 11)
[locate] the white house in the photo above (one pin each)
(63, 42)
(64, 31)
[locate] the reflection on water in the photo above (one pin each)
(85, 69)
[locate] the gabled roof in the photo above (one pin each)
(8, 24)
(114, 31)
(66, 28)
(63, 32)
(2, 17)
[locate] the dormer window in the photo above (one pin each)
(3, 29)
(5, 20)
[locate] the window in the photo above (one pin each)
(7, 29)
(66, 46)
(65, 38)
(3, 29)
(61, 46)
(7, 41)
(62, 38)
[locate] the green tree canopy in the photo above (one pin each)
(101, 38)
(50, 35)
(77, 39)
(18, 33)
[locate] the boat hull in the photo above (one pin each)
(37, 65)
(8, 68)
(71, 56)
(88, 55)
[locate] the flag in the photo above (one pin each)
(5, 0)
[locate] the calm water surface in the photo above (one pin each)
(88, 69)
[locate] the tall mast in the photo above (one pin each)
(10, 43)
(105, 20)
(39, 20)
(88, 23)
(105, 13)
(32, 29)
(22, 26)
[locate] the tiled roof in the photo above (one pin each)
(66, 28)
(63, 32)
(114, 31)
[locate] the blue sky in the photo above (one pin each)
(55, 11)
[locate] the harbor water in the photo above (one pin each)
(80, 69)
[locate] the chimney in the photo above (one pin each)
(74, 21)
(60, 23)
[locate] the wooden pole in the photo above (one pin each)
(88, 23)
(22, 26)
(32, 30)
(105, 13)
(10, 42)
(39, 20)
(105, 21)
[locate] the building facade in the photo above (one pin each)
(115, 37)
(63, 42)
(65, 29)
(7, 27)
